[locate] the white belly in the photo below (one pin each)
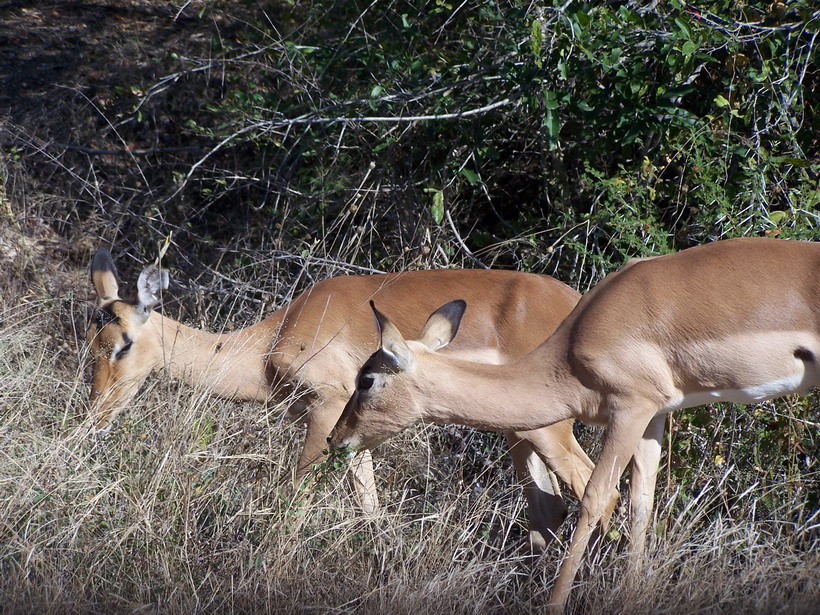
(763, 366)
(748, 395)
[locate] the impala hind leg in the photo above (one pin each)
(546, 510)
(624, 432)
(321, 420)
(644, 474)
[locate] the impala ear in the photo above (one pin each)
(151, 283)
(104, 276)
(392, 342)
(443, 324)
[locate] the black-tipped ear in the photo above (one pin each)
(103, 273)
(391, 340)
(102, 261)
(443, 325)
(381, 319)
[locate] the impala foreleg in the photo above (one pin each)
(546, 510)
(321, 419)
(364, 481)
(558, 448)
(623, 435)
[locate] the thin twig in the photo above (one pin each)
(376, 118)
(461, 243)
(304, 120)
(104, 152)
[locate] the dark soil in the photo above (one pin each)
(66, 66)
(94, 103)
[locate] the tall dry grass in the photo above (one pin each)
(185, 508)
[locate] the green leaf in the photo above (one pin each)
(536, 41)
(801, 163)
(204, 430)
(721, 101)
(550, 101)
(553, 127)
(679, 90)
(562, 69)
(778, 217)
(689, 48)
(582, 18)
(437, 208)
(684, 26)
(470, 175)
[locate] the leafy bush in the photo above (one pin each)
(565, 138)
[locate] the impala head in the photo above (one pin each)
(384, 403)
(124, 349)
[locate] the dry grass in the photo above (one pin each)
(182, 509)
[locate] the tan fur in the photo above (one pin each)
(735, 320)
(310, 350)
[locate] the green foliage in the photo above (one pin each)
(772, 448)
(681, 124)
(563, 137)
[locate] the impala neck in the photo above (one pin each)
(534, 392)
(231, 365)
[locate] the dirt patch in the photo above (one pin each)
(85, 151)
(71, 76)
(64, 65)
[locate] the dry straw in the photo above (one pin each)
(184, 508)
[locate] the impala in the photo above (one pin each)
(735, 320)
(308, 353)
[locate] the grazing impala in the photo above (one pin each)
(736, 320)
(310, 350)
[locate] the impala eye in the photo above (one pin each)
(123, 351)
(365, 381)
